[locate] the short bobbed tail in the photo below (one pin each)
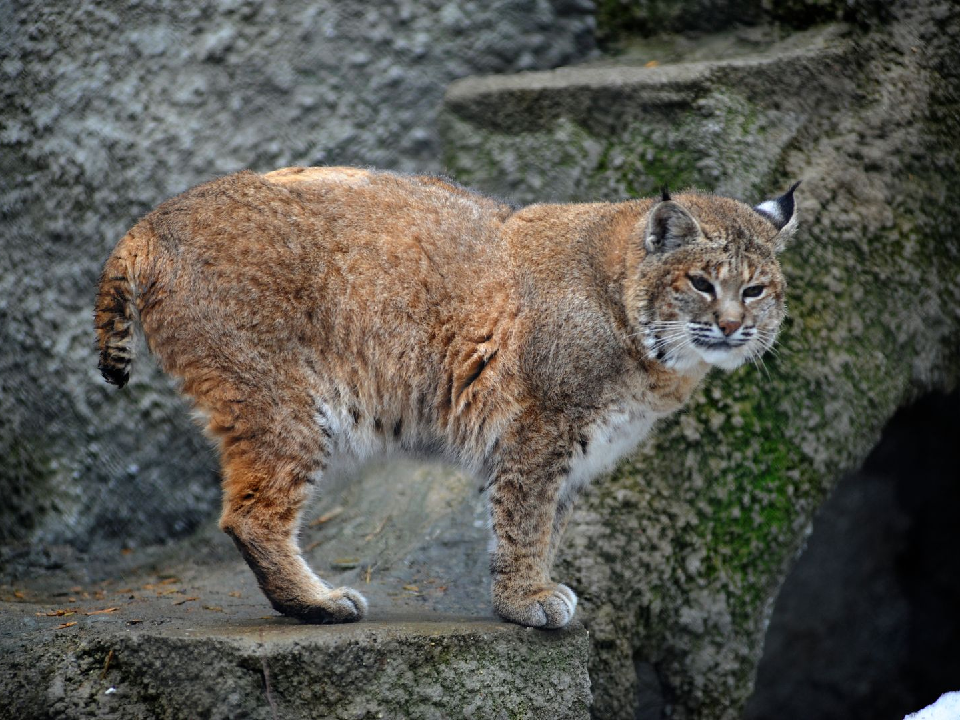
(116, 310)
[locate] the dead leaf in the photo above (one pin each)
(57, 613)
(213, 608)
(235, 594)
(66, 625)
(166, 581)
(102, 612)
(411, 588)
(651, 64)
(327, 516)
(106, 665)
(378, 530)
(345, 563)
(181, 602)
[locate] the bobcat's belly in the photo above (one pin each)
(609, 441)
(356, 435)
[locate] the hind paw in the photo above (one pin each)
(340, 605)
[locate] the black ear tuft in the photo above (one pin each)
(664, 193)
(669, 226)
(780, 210)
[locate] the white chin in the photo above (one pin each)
(684, 362)
(724, 359)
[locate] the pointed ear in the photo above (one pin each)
(669, 227)
(782, 212)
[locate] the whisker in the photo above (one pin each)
(675, 352)
(758, 360)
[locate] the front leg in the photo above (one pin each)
(560, 521)
(524, 494)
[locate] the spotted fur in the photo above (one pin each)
(322, 314)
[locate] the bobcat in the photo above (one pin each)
(320, 313)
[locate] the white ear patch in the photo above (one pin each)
(771, 209)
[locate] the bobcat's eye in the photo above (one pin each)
(701, 284)
(754, 291)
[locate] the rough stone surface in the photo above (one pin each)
(605, 131)
(192, 636)
(679, 555)
(184, 635)
(108, 108)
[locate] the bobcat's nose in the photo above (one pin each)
(728, 326)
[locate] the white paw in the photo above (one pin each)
(339, 605)
(549, 608)
(345, 605)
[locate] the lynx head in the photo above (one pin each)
(712, 289)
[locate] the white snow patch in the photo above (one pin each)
(946, 708)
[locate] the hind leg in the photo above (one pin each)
(273, 452)
(261, 512)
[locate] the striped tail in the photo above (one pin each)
(116, 312)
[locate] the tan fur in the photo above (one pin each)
(318, 312)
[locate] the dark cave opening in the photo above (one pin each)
(867, 624)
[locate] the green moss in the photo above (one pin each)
(617, 19)
(751, 508)
(620, 20)
(692, 150)
(650, 168)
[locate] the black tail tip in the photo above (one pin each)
(115, 376)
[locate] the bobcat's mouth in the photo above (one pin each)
(686, 348)
(726, 353)
(720, 344)
(711, 344)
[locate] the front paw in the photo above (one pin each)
(546, 606)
